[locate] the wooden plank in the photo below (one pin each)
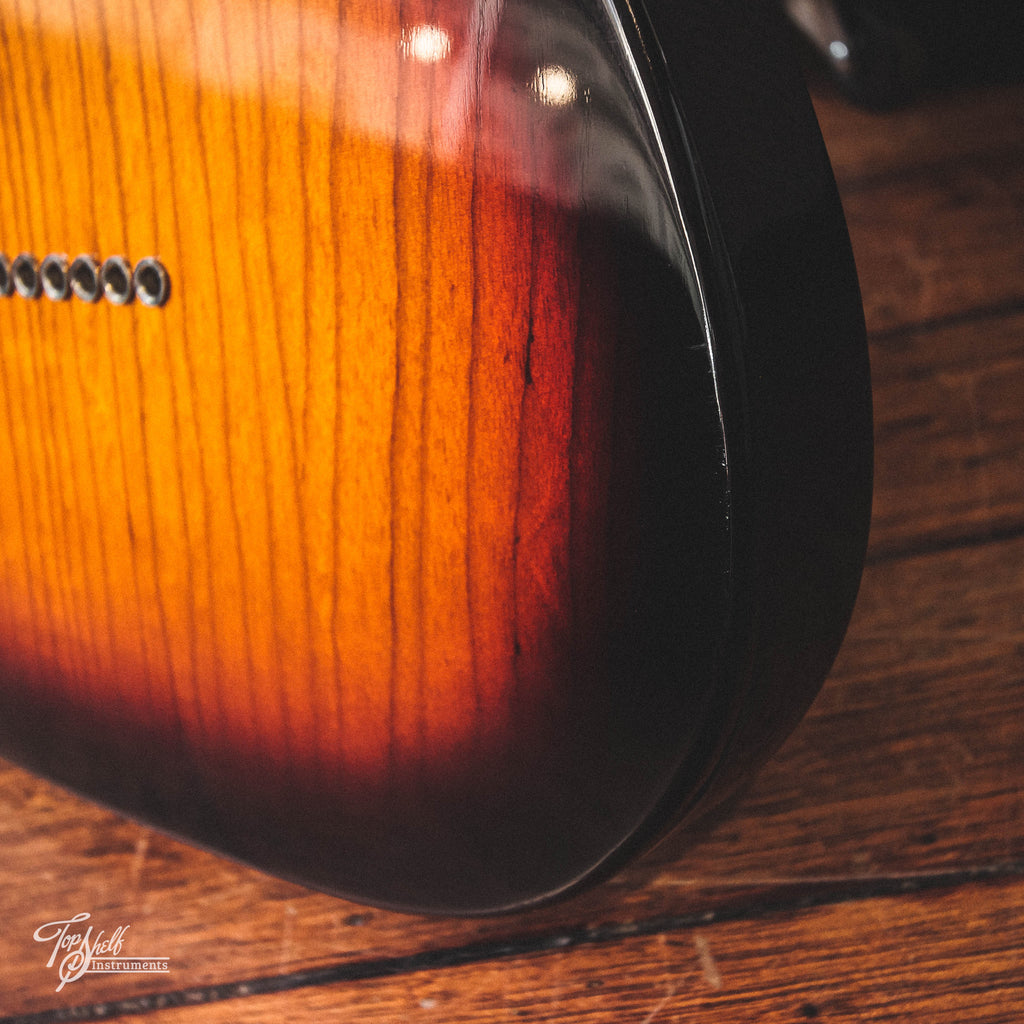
(940, 243)
(948, 956)
(949, 433)
(940, 128)
(911, 761)
(935, 201)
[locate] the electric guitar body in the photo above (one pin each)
(473, 478)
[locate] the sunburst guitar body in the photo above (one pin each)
(435, 435)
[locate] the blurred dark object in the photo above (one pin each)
(882, 52)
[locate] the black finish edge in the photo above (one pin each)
(790, 349)
(786, 324)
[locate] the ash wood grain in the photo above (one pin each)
(196, 579)
(365, 506)
(909, 764)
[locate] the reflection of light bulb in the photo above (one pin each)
(426, 43)
(554, 85)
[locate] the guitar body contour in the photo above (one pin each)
(484, 487)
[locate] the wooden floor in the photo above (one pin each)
(876, 869)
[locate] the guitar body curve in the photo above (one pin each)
(487, 487)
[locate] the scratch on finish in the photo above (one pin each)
(287, 932)
(139, 860)
(670, 991)
(661, 1005)
(707, 962)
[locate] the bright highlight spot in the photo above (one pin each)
(427, 44)
(839, 49)
(554, 85)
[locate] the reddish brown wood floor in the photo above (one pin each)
(876, 869)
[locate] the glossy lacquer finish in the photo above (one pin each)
(491, 489)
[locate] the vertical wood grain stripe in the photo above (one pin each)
(326, 504)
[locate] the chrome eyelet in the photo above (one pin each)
(116, 279)
(53, 273)
(152, 283)
(25, 272)
(84, 278)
